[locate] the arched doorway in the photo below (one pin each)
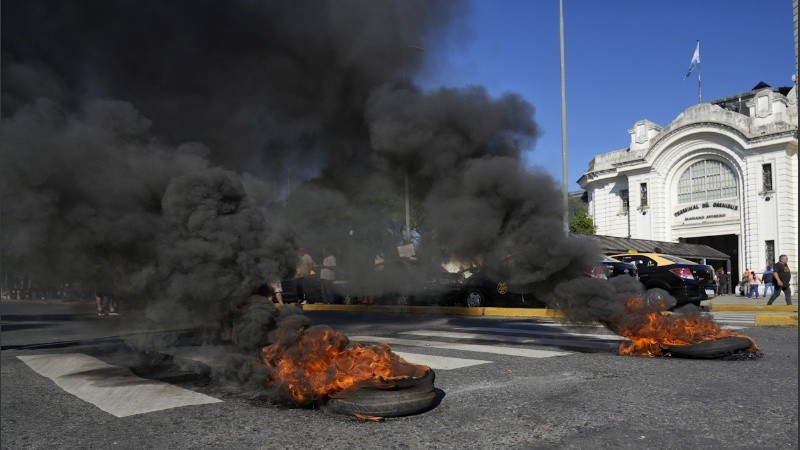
(707, 211)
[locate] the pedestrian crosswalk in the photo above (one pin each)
(119, 392)
(438, 362)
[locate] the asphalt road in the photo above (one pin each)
(503, 383)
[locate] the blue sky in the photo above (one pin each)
(625, 61)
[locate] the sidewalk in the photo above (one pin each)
(777, 314)
(731, 299)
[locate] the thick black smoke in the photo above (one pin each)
(117, 117)
(145, 143)
(268, 86)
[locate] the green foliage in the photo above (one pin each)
(581, 223)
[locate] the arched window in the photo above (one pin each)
(706, 180)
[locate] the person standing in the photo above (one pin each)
(303, 270)
(267, 290)
(743, 282)
(105, 302)
(767, 279)
(719, 276)
(327, 275)
(277, 289)
(753, 282)
(782, 280)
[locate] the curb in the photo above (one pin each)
(770, 318)
(756, 308)
(776, 320)
(453, 310)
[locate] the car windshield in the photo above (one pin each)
(677, 259)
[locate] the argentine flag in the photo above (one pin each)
(695, 60)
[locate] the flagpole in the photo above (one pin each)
(699, 82)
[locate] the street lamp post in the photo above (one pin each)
(405, 81)
(564, 194)
(408, 215)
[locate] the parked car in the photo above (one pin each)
(479, 289)
(406, 281)
(614, 267)
(685, 280)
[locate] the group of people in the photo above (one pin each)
(273, 290)
(775, 278)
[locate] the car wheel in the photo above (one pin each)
(474, 298)
(656, 297)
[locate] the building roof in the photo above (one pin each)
(738, 102)
(611, 245)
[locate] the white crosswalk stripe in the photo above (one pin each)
(115, 390)
(720, 318)
(437, 362)
(734, 317)
(479, 348)
(512, 339)
(607, 336)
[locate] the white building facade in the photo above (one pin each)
(723, 174)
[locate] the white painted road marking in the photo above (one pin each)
(737, 317)
(515, 339)
(440, 362)
(557, 324)
(565, 333)
(115, 390)
(492, 349)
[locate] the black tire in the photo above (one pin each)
(474, 298)
(405, 398)
(711, 349)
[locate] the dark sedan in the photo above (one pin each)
(479, 289)
(685, 280)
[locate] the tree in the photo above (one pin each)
(579, 220)
(581, 223)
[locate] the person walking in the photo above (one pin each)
(327, 275)
(753, 282)
(782, 280)
(767, 277)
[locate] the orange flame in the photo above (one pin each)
(650, 331)
(324, 363)
(366, 418)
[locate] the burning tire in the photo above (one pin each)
(711, 349)
(409, 396)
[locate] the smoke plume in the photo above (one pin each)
(179, 153)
